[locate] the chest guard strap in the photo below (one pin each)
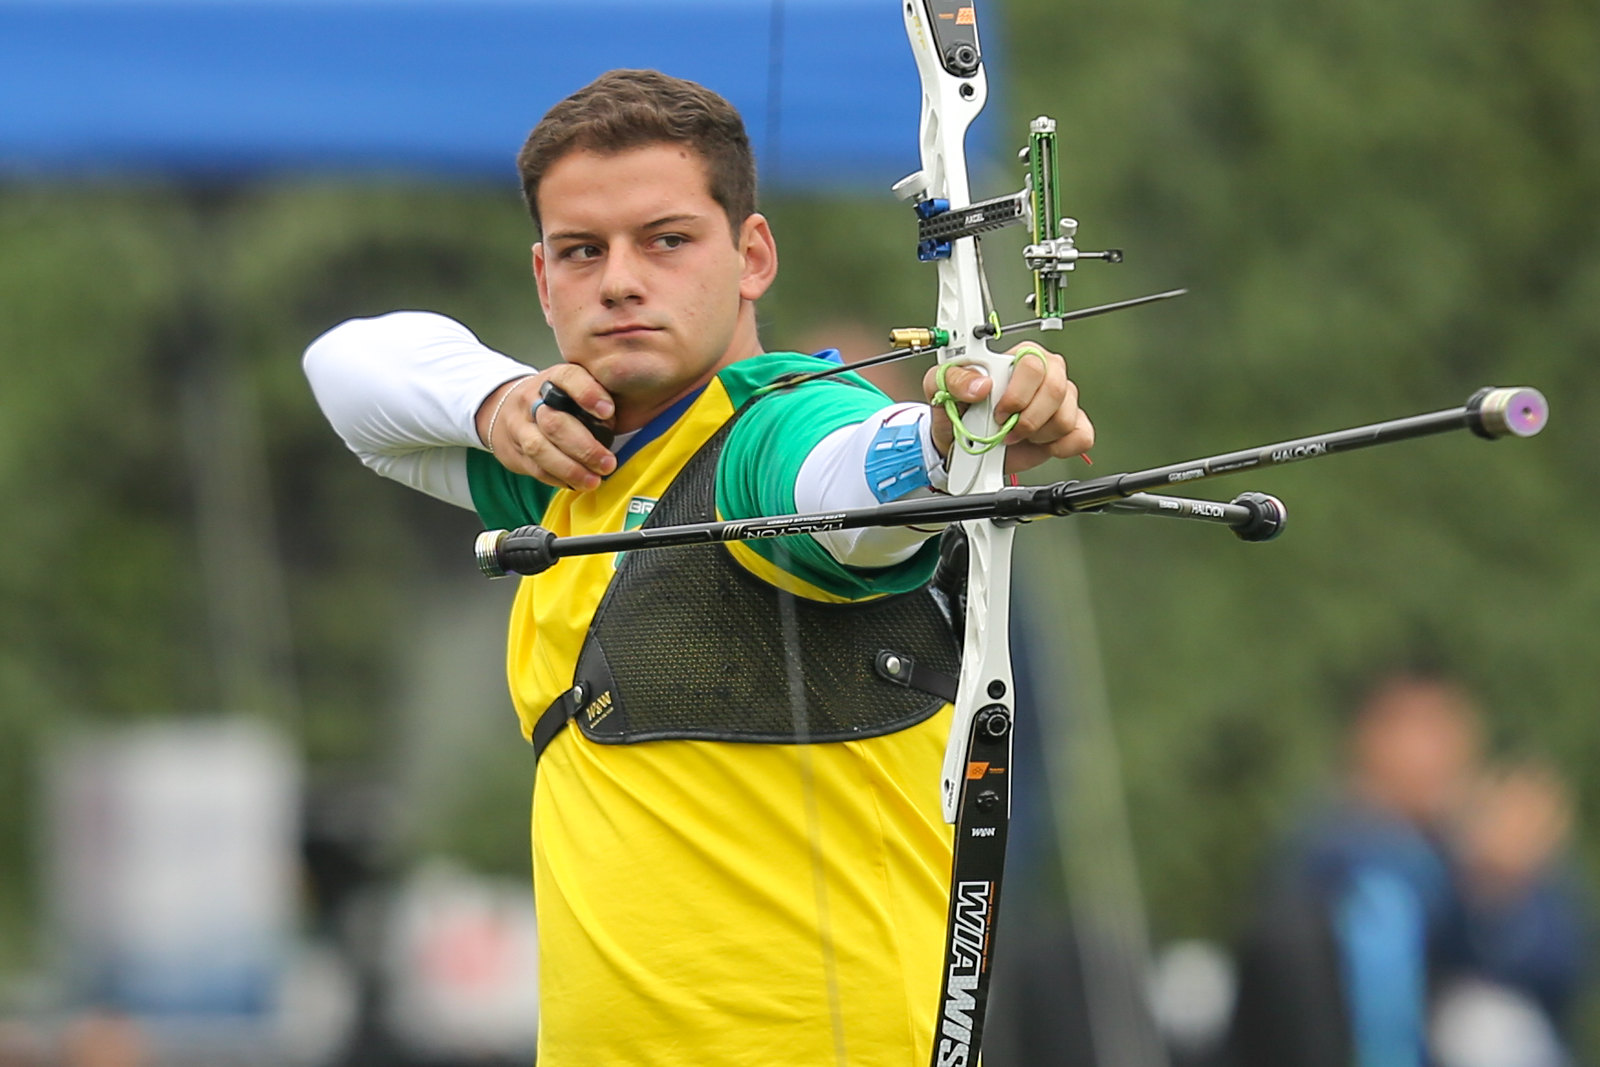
(687, 644)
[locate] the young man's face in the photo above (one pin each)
(640, 277)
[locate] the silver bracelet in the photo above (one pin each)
(516, 383)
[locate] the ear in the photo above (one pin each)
(759, 252)
(540, 280)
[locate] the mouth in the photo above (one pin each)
(627, 330)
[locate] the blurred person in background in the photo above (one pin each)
(1520, 959)
(1334, 965)
(1425, 884)
(702, 899)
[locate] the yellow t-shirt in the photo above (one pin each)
(707, 903)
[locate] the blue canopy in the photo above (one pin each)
(449, 88)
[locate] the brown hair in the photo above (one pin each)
(625, 109)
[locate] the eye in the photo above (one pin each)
(670, 241)
(580, 252)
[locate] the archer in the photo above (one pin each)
(738, 848)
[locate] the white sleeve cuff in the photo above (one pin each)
(889, 456)
(402, 391)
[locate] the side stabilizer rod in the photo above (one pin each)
(1252, 516)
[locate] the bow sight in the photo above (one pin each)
(1051, 254)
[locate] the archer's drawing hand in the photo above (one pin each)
(1050, 425)
(550, 445)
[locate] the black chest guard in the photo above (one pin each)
(687, 644)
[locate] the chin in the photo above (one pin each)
(634, 376)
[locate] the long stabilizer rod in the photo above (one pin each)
(1489, 413)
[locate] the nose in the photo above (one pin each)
(623, 278)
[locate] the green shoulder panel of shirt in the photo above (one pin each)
(762, 460)
(756, 474)
(505, 500)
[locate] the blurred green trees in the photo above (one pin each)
(1378, 206)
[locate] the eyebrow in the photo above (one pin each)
(653, 224)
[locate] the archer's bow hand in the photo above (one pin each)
(1050, 425)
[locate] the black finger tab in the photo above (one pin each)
(557, 398)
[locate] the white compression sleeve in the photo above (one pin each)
(403, 390)
(886, 457)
